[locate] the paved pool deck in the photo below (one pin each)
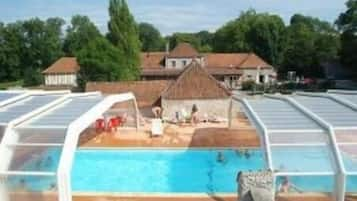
(241, 134)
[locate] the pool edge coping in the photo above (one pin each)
(163, 148)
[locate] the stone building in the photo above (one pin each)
(231, 69)
(194, 85)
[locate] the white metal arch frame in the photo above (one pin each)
(5, 155)
(340, 180)
(73, 132)
(254, 117)
(341, 176)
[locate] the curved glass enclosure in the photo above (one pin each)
(299, 146)
(39, 143)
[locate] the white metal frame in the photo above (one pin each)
(264, 131)
(8, 138)
(340, 182)
(347, 103)
(340, 185)
(73, 132)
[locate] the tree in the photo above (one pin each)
(123, 34)
(11, 46)
(79, 34)
(347, 24)
(42, 46)
(100, 61)
(201, 40)
(311, 42)
(299, 50)
(150, 38)
(261, 33)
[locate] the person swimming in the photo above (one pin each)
(246, 154)
(286, 186)
(220, 157)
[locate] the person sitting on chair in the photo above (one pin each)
(194, 114)
(157, 110)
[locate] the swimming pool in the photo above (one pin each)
(169, 171)
(179, 171)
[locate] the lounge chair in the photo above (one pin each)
(156, 127)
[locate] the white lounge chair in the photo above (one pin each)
(156, 127)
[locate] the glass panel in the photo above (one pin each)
(305, 184)
(346, 135)
(125, 110)
(5, 96)
(38, 159)
(40, 135)
(298, 138)
(338, 115)
(31, 183)
(302, 159)
(349, 153)
(66, 113)
(278, 114)
(32, 188)
(350, 97)
(351, 184)
(27, 105)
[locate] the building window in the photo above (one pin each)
(173, 63)
(261, 78)
(184, 62)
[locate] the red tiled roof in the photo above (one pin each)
(160, 72)
(152, 59)
(253, 61)
(234, 60)
(63, 65)
(195, 83)
(183, 50)
(216, 63)
(218, 60)
(147, 93)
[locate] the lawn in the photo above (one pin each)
(6, 85)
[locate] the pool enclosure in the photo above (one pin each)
(310, 138)
(36, 124)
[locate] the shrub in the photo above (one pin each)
(248, 85)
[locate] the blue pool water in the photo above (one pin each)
(168, 171)
(177, 171)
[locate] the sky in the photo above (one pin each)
(170, 15)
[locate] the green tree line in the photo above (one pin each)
(28, 47)
(302, 45)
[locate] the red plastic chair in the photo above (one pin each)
(99, 125)
(113, 123)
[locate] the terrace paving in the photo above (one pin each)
(201, 135)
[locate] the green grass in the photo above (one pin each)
(5, 85)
